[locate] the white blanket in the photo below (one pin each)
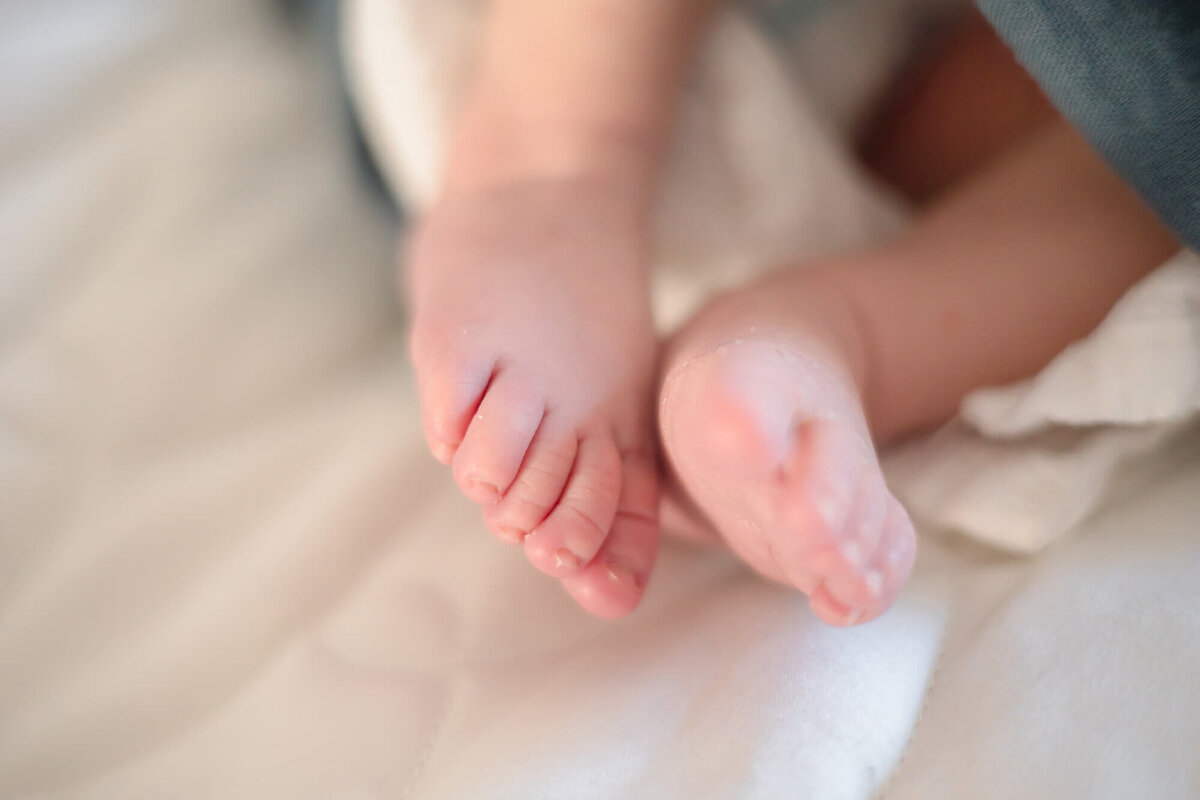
(228, 568)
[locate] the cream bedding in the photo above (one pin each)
(228, 568)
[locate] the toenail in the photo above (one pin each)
(443, 452)
(852, 551)
(487, 488)
(855, 616)
(619, 573)
(514, 534)
(564, 558)
(874, 583)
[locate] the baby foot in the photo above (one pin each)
(534, 351)
(766, 434)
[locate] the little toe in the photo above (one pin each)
(613, 584)
(499, 435)
(572, 534)
(538, 485)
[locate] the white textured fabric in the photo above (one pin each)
(1028, 462)
(228, 569)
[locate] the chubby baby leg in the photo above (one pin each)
(775, 396)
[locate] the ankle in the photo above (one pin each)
(493, 149)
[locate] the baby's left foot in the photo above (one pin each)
(766, 433)
(534, 350)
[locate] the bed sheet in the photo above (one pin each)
(228, 568)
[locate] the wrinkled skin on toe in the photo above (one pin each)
(535, 351)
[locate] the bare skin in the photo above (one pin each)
(536, 358)
(535, 378)
(776, 396)
(532, 336)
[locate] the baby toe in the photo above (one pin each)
(575, 529)
(613, 584)
(538, 484)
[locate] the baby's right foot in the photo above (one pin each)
(534, 350)
(765, 431)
